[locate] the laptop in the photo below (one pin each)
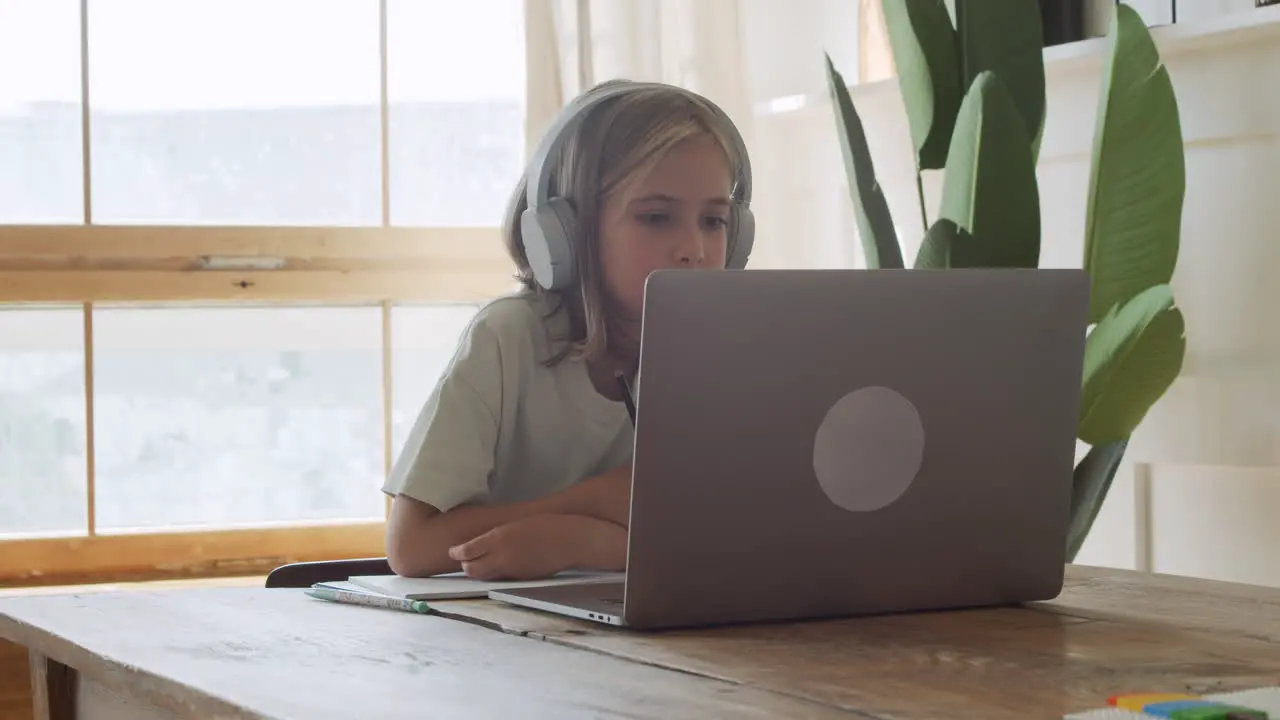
(824, 443)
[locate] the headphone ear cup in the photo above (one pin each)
(742, 229)
(548, 233)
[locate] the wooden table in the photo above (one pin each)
(255, 653)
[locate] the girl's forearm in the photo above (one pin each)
(604, 548)
(419, 536)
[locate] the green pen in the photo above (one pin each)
(356, 598)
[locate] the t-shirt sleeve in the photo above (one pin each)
(448, 457)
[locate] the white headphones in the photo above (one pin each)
(548, 225)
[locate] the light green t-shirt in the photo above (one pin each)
(500, 426)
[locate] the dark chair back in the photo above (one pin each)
(306, 574)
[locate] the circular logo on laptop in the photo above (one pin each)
(868, 449)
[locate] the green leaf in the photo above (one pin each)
(1005, 37)
(928, 64)
(1035, 141)
(989, 189)
(1089, 485)
(875, 224)
(1138, 178)
(946, 246)
(935, 248)
(1130, 358)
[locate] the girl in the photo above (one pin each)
(518, 466)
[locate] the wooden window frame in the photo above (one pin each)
(89, 263)
(120, 263)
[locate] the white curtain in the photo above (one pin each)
(760, 60)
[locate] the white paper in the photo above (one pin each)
(456, 586)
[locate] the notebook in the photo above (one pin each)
(345, 586)
(457, 586)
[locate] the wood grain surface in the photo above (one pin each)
(256, 653)
(1110, 631)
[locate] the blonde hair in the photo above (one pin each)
(622, 138)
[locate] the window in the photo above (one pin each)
(210, 119)
(227, 416)
(227, 286)
(40, 148)
(42, 421)
(442, 119)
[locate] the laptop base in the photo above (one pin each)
(598, 602)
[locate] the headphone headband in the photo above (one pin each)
(575, 113)
(548, 225)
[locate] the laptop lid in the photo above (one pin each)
(832, 442)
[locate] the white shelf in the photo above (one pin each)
(1241, 27)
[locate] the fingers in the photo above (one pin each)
(486, 568)
(473, 549)
(478, 557)
(509, 552)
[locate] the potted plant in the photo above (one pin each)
(974, 93)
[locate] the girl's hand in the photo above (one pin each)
(540, 546)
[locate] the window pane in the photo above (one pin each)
(456, 87)
(40, 162)
(231, 415)
(235, 111)
(423, 340)
(42, 421)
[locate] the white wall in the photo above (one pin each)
(1211, 492)
(787, 41)
(1207, 502)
